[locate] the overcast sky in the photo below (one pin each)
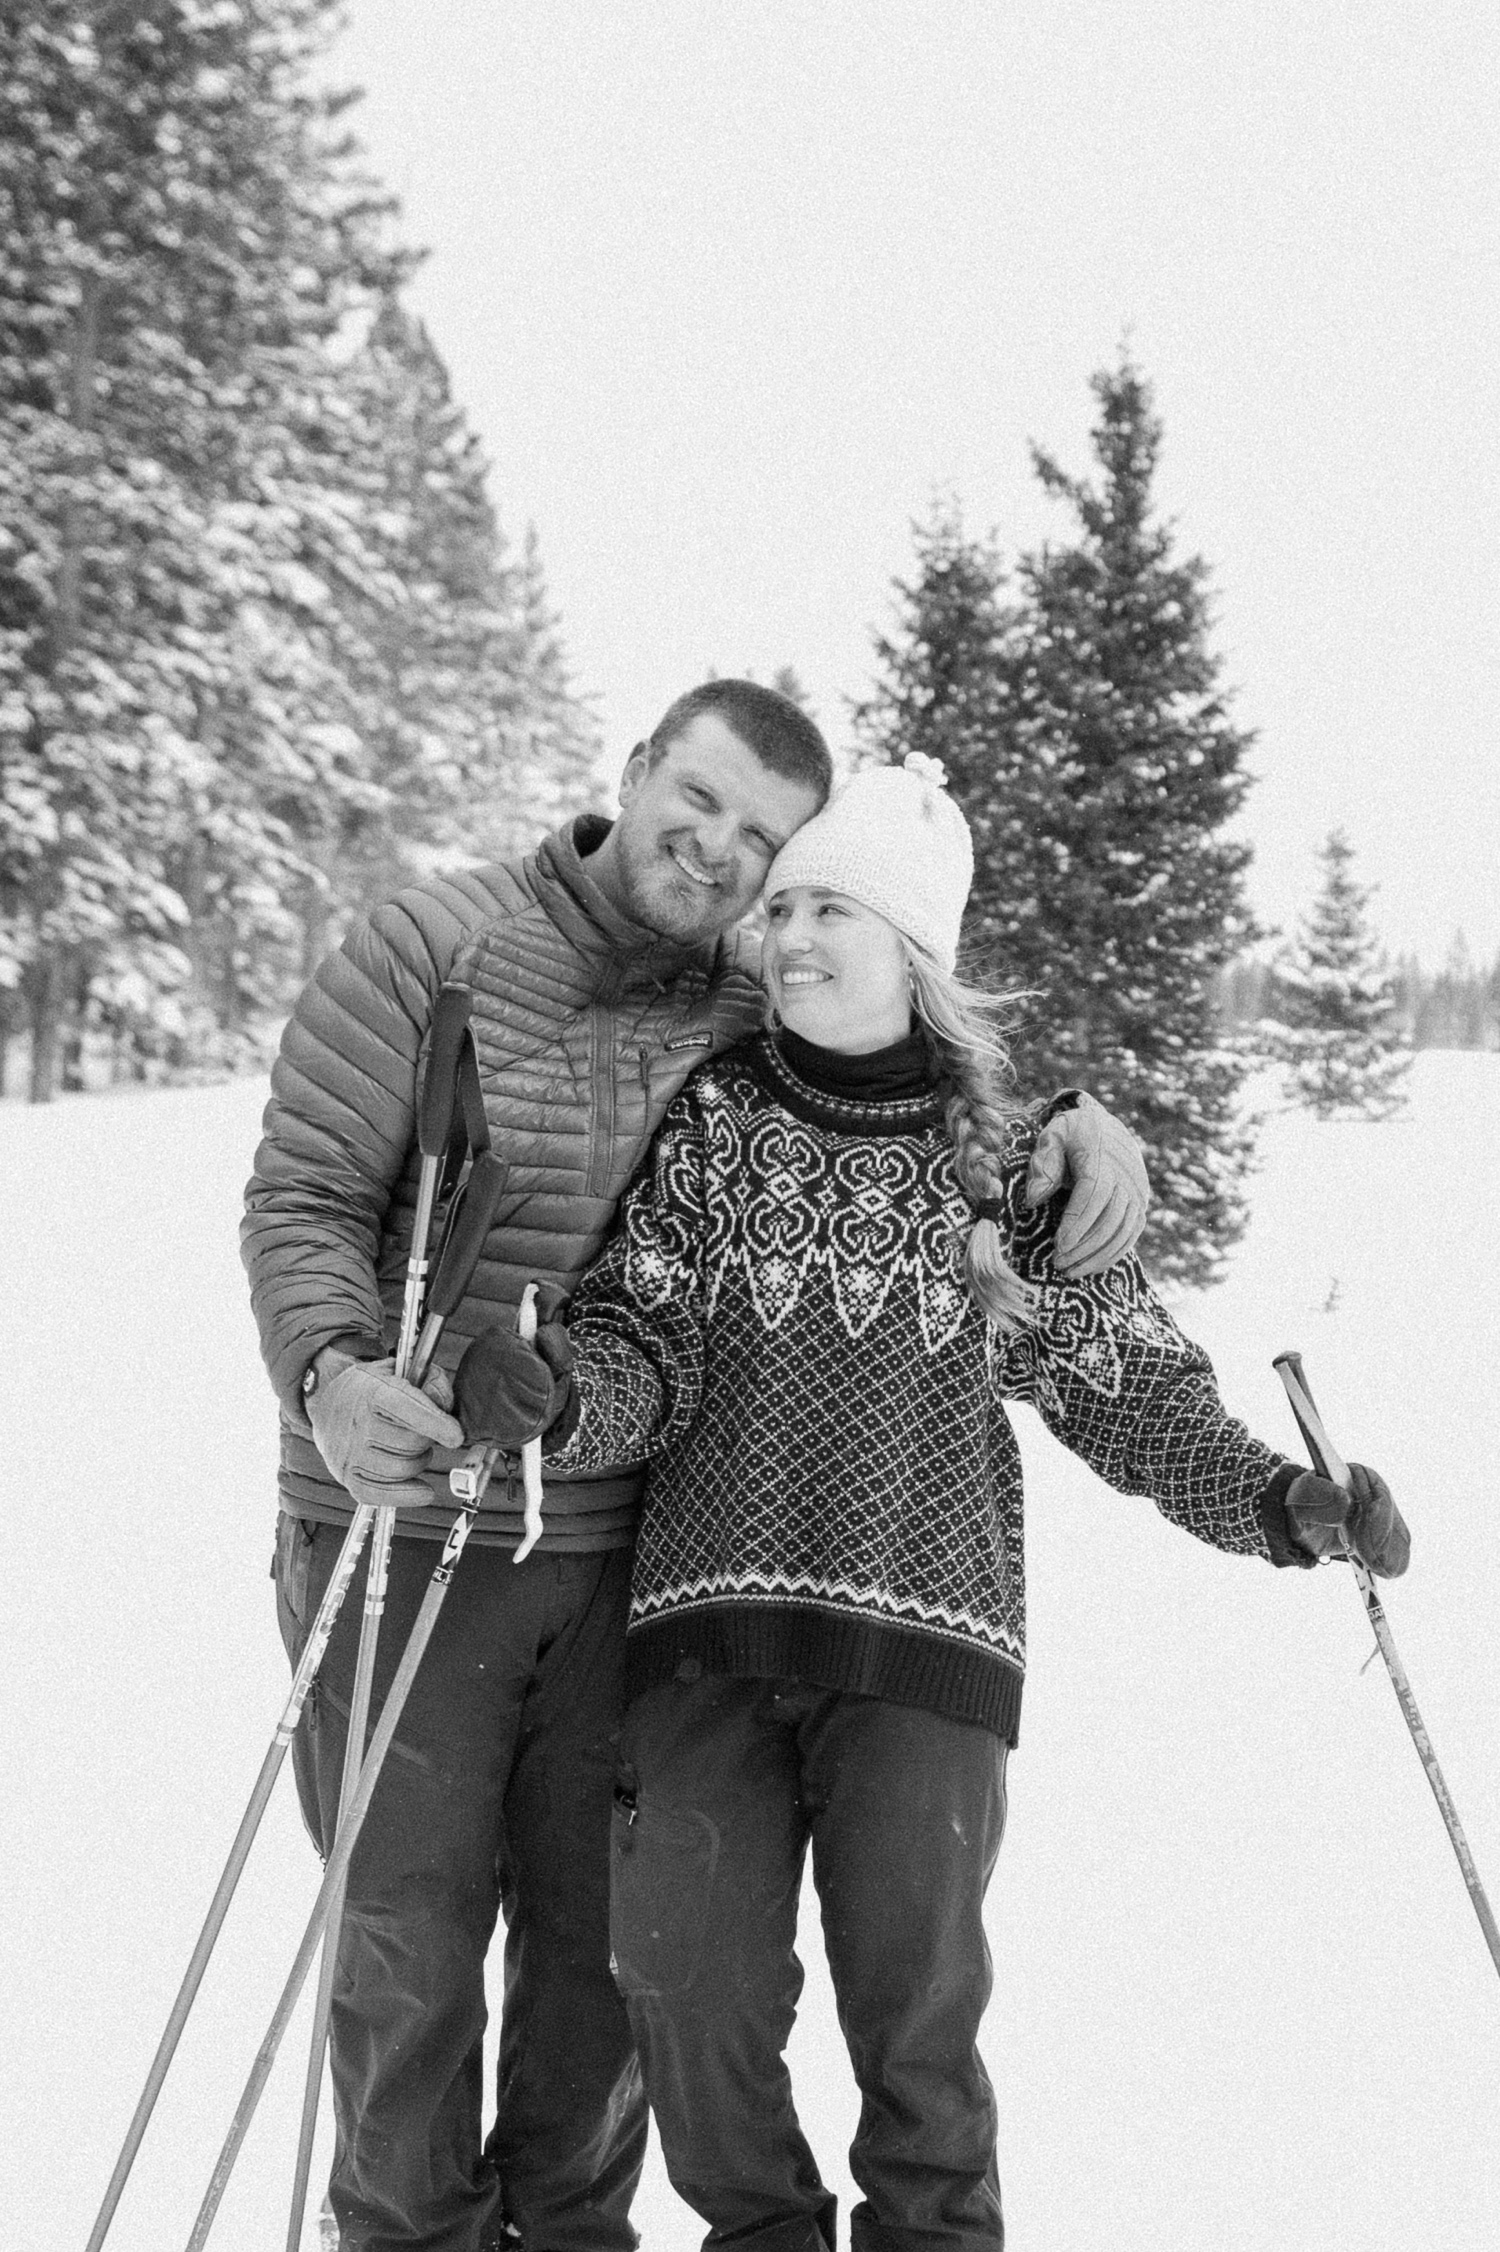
(732, 292)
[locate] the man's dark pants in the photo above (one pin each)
(497, 1788)
(724, 1783)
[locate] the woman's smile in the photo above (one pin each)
(836, 969)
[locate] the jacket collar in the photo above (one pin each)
(621, 951)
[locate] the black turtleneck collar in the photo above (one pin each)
(893, 1074)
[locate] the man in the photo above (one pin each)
(603, 967)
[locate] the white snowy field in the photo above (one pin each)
(1241, 1997)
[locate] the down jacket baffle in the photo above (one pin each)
(585, 1023)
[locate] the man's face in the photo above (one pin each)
(698, 830)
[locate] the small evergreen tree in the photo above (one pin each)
(944, 688)
(1135, 769)
(1334, 1004)
(1088, 741)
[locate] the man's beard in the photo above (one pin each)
(667, 901)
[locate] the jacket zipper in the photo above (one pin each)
(602, 1101)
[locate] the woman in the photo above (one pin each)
(821, 1291)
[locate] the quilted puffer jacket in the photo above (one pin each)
(586, 1025)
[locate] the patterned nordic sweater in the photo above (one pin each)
(780, 1326)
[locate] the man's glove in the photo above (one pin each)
(1319, 1514)
(375, 1432)
(505, 1392)
(1111, 1190)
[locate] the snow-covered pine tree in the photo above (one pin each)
(1333, 1004)
(943, 687)
(1088, 741)
(478, 743)
(787, 681)
(1128, 769)
(183, 236)
(555, 727)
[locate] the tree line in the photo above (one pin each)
(264, 650)
(1457, 1006)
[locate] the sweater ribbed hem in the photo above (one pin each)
(766, 1641)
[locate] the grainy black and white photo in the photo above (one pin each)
(750, 1125)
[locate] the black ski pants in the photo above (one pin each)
(724, 1784)
(496, 1791)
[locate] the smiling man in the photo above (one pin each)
(602, 968)
(702, 815)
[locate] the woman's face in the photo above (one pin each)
(835, 970)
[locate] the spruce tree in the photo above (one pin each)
(477, 741)
(1087, 738)
(1132, 770)
(262, 652)
(1334, 1004)
(554, 727)
(944, 686)
(183, 238)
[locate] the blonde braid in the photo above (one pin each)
(964, 1026)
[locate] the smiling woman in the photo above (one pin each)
(836, 971)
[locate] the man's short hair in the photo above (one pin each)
(777, 731)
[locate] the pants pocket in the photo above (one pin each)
(662, 1867)
(290, 1568)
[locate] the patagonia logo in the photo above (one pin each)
(689, 1040)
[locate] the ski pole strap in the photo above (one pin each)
(469, 1133)
(470, 1219)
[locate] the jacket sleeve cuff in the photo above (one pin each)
(1285, 1550)
(359, 1347)
(560, 1430)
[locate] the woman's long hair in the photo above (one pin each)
(966, 1027)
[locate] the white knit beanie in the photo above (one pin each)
(894, 840)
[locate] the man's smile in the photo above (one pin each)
(691, 868)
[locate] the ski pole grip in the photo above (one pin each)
(450, 1022)
(1325, 1457)
(478, 1205)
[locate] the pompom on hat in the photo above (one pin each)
(893, 839)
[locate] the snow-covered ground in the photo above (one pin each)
(1241, 1998)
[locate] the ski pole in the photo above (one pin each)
(450, 1023)
(450, 1035)
(450, 1026)
(338, 1863)
(286, 1728)
(1328, 1463)
(469, 1224)
(472, 1218)
(531, 1453)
